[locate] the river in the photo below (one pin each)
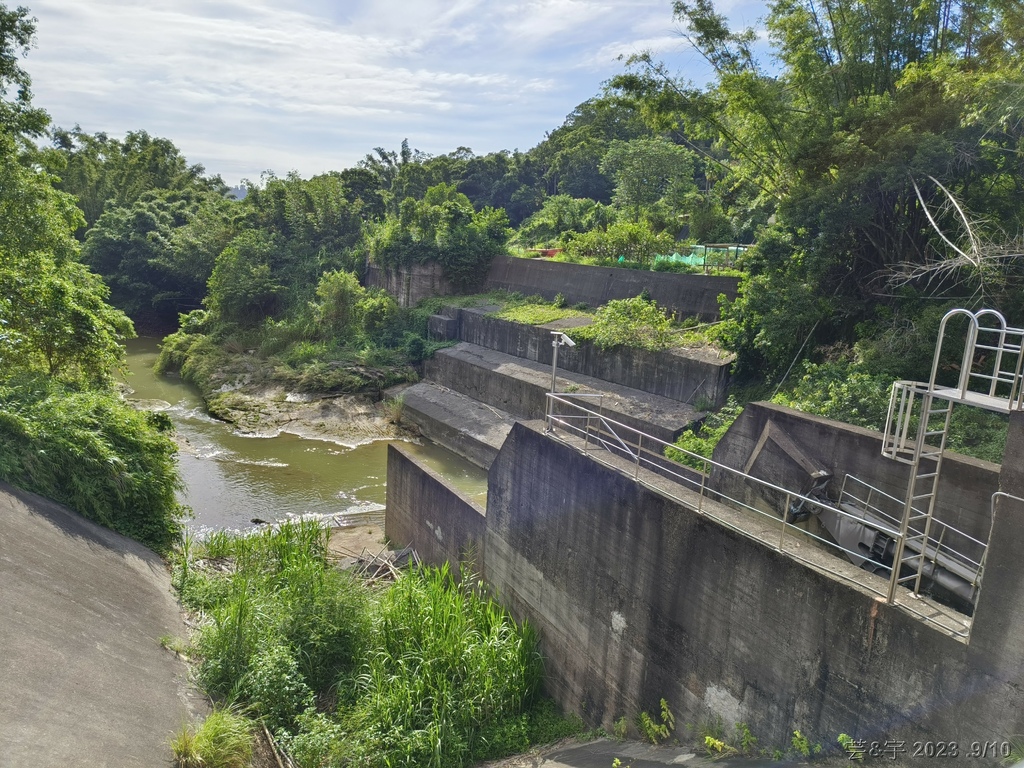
(232, 480)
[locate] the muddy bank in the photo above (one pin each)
(349, 419)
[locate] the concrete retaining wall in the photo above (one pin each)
(638, 598)
(686, 295)
(441, 523)
(691, 376)
(410, 285)
(527, 399)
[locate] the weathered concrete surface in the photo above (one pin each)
(410, 285)
(999, 618)
(687, 375)
(83, 678)
(519, 387)
(443, 525)
(639, 597)
(686, 295)
(601, 753)
(459, 423)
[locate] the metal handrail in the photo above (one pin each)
(568, 422)
(1014, 379)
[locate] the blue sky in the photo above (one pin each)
(244, 86)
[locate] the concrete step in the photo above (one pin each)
(458, 422)
(519, 387)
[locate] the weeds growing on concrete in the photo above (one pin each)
(657, 731)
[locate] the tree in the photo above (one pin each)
(158, 253)
(441, 228)
(562, 215)
(53, 312)
(242, 289)
(17, 115)
(103, 172)
(646, 171)
(874, 99)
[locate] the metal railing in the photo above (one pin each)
(992, 365)
(614, 443)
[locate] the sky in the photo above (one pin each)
(246, 86)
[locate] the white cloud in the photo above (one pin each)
(315, 84)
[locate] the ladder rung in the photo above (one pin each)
(923, 496)
(927, 476)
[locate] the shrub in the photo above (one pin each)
(635, 322)
(703, 439)
(633, 241)
(92, 451)
(276, 688)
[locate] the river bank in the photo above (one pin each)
(273, 455)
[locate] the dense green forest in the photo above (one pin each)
(64, 430)
(875, 162)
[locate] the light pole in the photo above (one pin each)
(557, 339)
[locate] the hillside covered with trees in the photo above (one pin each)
(875, 163)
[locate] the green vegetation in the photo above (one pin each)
(636, 322)
(223, 740)
(427, 672)
(852, 748)
(442, 228)
(92, 451)
(64, 432)
(703, 439)
(657, 730)
(838, 157)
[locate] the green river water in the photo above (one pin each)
(232, 479)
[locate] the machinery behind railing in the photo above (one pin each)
(868, 511)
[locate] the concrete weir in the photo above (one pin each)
(639, 596)
(519, 386)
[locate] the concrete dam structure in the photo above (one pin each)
(731, 592)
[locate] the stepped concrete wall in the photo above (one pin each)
(638, 598)
(686, 295)
(688, 375)
(526, 398)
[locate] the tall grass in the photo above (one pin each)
(448, 676)
(425, 672)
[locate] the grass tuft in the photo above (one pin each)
(224, 740)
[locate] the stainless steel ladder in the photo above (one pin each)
(917, 426)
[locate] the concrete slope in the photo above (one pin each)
(84, 680)
(456, 421)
